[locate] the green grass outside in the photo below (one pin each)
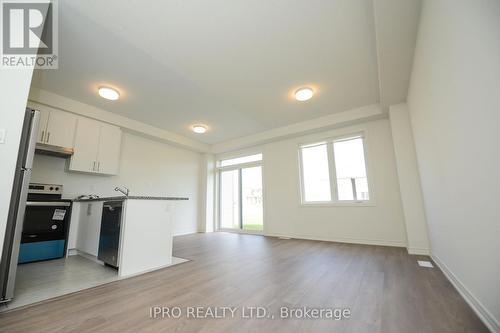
(256, 227)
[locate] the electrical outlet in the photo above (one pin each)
(2, 135)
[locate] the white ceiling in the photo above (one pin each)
(231, 64)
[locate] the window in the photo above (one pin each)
(350, 169)
(334, 171)
(241, 160)
(315, 174)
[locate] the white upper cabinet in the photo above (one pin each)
(96, 147)
(86, 144)
(56, 128)
(108, 154)
(61, 128)
(42, 128)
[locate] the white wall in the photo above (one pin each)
(147, 167)
(380, 224)
(409, 180)
(207, 192)
(396, 26)
(454, 102)
(14, 88)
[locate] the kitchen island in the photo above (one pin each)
(145, 228)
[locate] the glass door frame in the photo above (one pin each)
(238, 167)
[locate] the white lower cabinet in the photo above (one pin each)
(89, 227)
(96, 147)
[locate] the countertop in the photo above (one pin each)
(131, 197)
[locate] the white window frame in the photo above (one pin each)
(219, 170)
(333, 174)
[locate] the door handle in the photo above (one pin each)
(48, 204)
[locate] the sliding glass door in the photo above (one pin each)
(240, 197)
(230, 199)
(251, 203)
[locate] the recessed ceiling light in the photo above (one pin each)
(200, 129)
(109, 93)
(304, 94)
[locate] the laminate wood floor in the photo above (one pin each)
(384, 288)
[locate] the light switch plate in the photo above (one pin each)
(425, 263)
(2, 135)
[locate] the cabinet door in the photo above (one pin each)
(89, 227)
(60, 129)
(108, 157)
(85, 146)
(42, 128)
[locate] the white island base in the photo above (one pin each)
(145, 237)
(145, 233)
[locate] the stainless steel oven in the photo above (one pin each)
(46, 224)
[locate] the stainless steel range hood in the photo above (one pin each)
(45, 149)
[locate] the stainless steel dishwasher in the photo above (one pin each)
(109, 239)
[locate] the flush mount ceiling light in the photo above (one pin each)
(304, 94)
(200, 129)
(109, 93)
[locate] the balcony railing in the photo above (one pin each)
(357, 194)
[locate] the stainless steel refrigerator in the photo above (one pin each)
(15, 218)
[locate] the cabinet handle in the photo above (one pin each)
(93, 166)
(43, 135)
(98, 166)
(48, 137)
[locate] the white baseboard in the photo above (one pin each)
(483, 313)
(185, 232)
(72, 252)
(418, 251)
(380, 242)
(174, 261)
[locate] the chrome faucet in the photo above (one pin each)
(123, 190)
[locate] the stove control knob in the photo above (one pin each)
(51, 188)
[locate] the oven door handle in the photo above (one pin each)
(48, 203)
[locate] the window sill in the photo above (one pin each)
(339, 204)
